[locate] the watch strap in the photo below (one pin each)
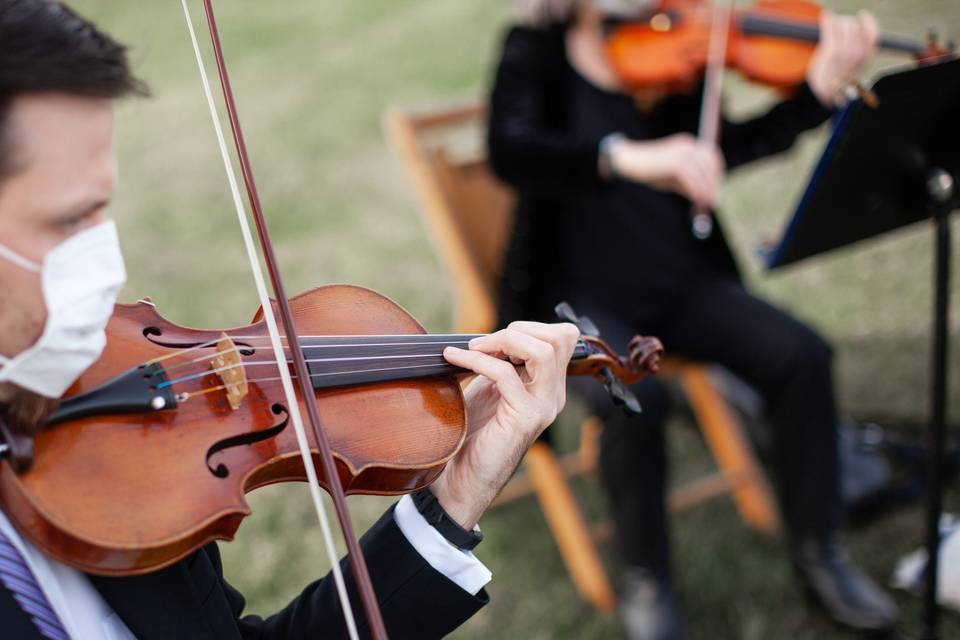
(431, 510)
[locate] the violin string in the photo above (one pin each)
(186, 395)
(242, 365)
(241, 348)
(253, 257)
(335, 359)
(337, 373)
(181, 352)
(250, 339)
(216, 370)
(206, 358)
(414, 337)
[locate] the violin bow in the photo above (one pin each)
(330, 476)
(709, 129)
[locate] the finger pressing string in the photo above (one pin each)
(500, 372)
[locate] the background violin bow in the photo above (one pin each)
(709, 129)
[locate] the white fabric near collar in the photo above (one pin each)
(84, 613)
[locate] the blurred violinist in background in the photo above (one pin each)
(606, 179)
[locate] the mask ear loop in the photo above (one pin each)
(19, 260)
(275, 340)
(26, 265)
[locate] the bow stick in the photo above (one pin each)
(709, 129)
(332, 479)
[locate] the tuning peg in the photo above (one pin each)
(587, 327)
(566, 314)
(621, 395)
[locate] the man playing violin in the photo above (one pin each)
(61, 270)
(605, 190)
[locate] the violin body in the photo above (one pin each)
(132, 493)
(669, 52)
(771, 43)
(774, 61)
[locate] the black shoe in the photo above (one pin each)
(648, 608)
(848, 596)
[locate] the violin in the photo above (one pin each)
(770, 43)
(152, 451)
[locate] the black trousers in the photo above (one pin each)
(784, 360)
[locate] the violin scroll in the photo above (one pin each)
(596, 358)
(646, 352)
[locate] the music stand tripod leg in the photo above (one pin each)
(942, 190)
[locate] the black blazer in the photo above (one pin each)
(191, 599)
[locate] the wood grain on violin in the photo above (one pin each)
(155, 446)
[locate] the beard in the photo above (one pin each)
(24, 412)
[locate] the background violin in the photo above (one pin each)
(770, 42)
(683, 43)
(176, 425)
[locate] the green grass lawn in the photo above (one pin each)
(312, 79)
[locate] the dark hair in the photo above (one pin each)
(46, 47)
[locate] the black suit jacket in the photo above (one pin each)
(191, 599)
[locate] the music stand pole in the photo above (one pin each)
(885, 168)
(941, 188)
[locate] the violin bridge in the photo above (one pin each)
(228, 365)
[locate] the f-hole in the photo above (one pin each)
(155, 335)
(221, 470)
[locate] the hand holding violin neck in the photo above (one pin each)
(508, 407)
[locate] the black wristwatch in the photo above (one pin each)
(428, 505)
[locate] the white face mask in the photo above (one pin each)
(82, 277)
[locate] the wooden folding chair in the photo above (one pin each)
(469, 214)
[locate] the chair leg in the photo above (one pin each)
(569, 527)
(724, 434)
(590, 432)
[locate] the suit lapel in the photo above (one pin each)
(16, 623)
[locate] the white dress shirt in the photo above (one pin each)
(86, 616)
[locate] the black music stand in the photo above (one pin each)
(884, 168)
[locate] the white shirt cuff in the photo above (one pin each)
(460, 566)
